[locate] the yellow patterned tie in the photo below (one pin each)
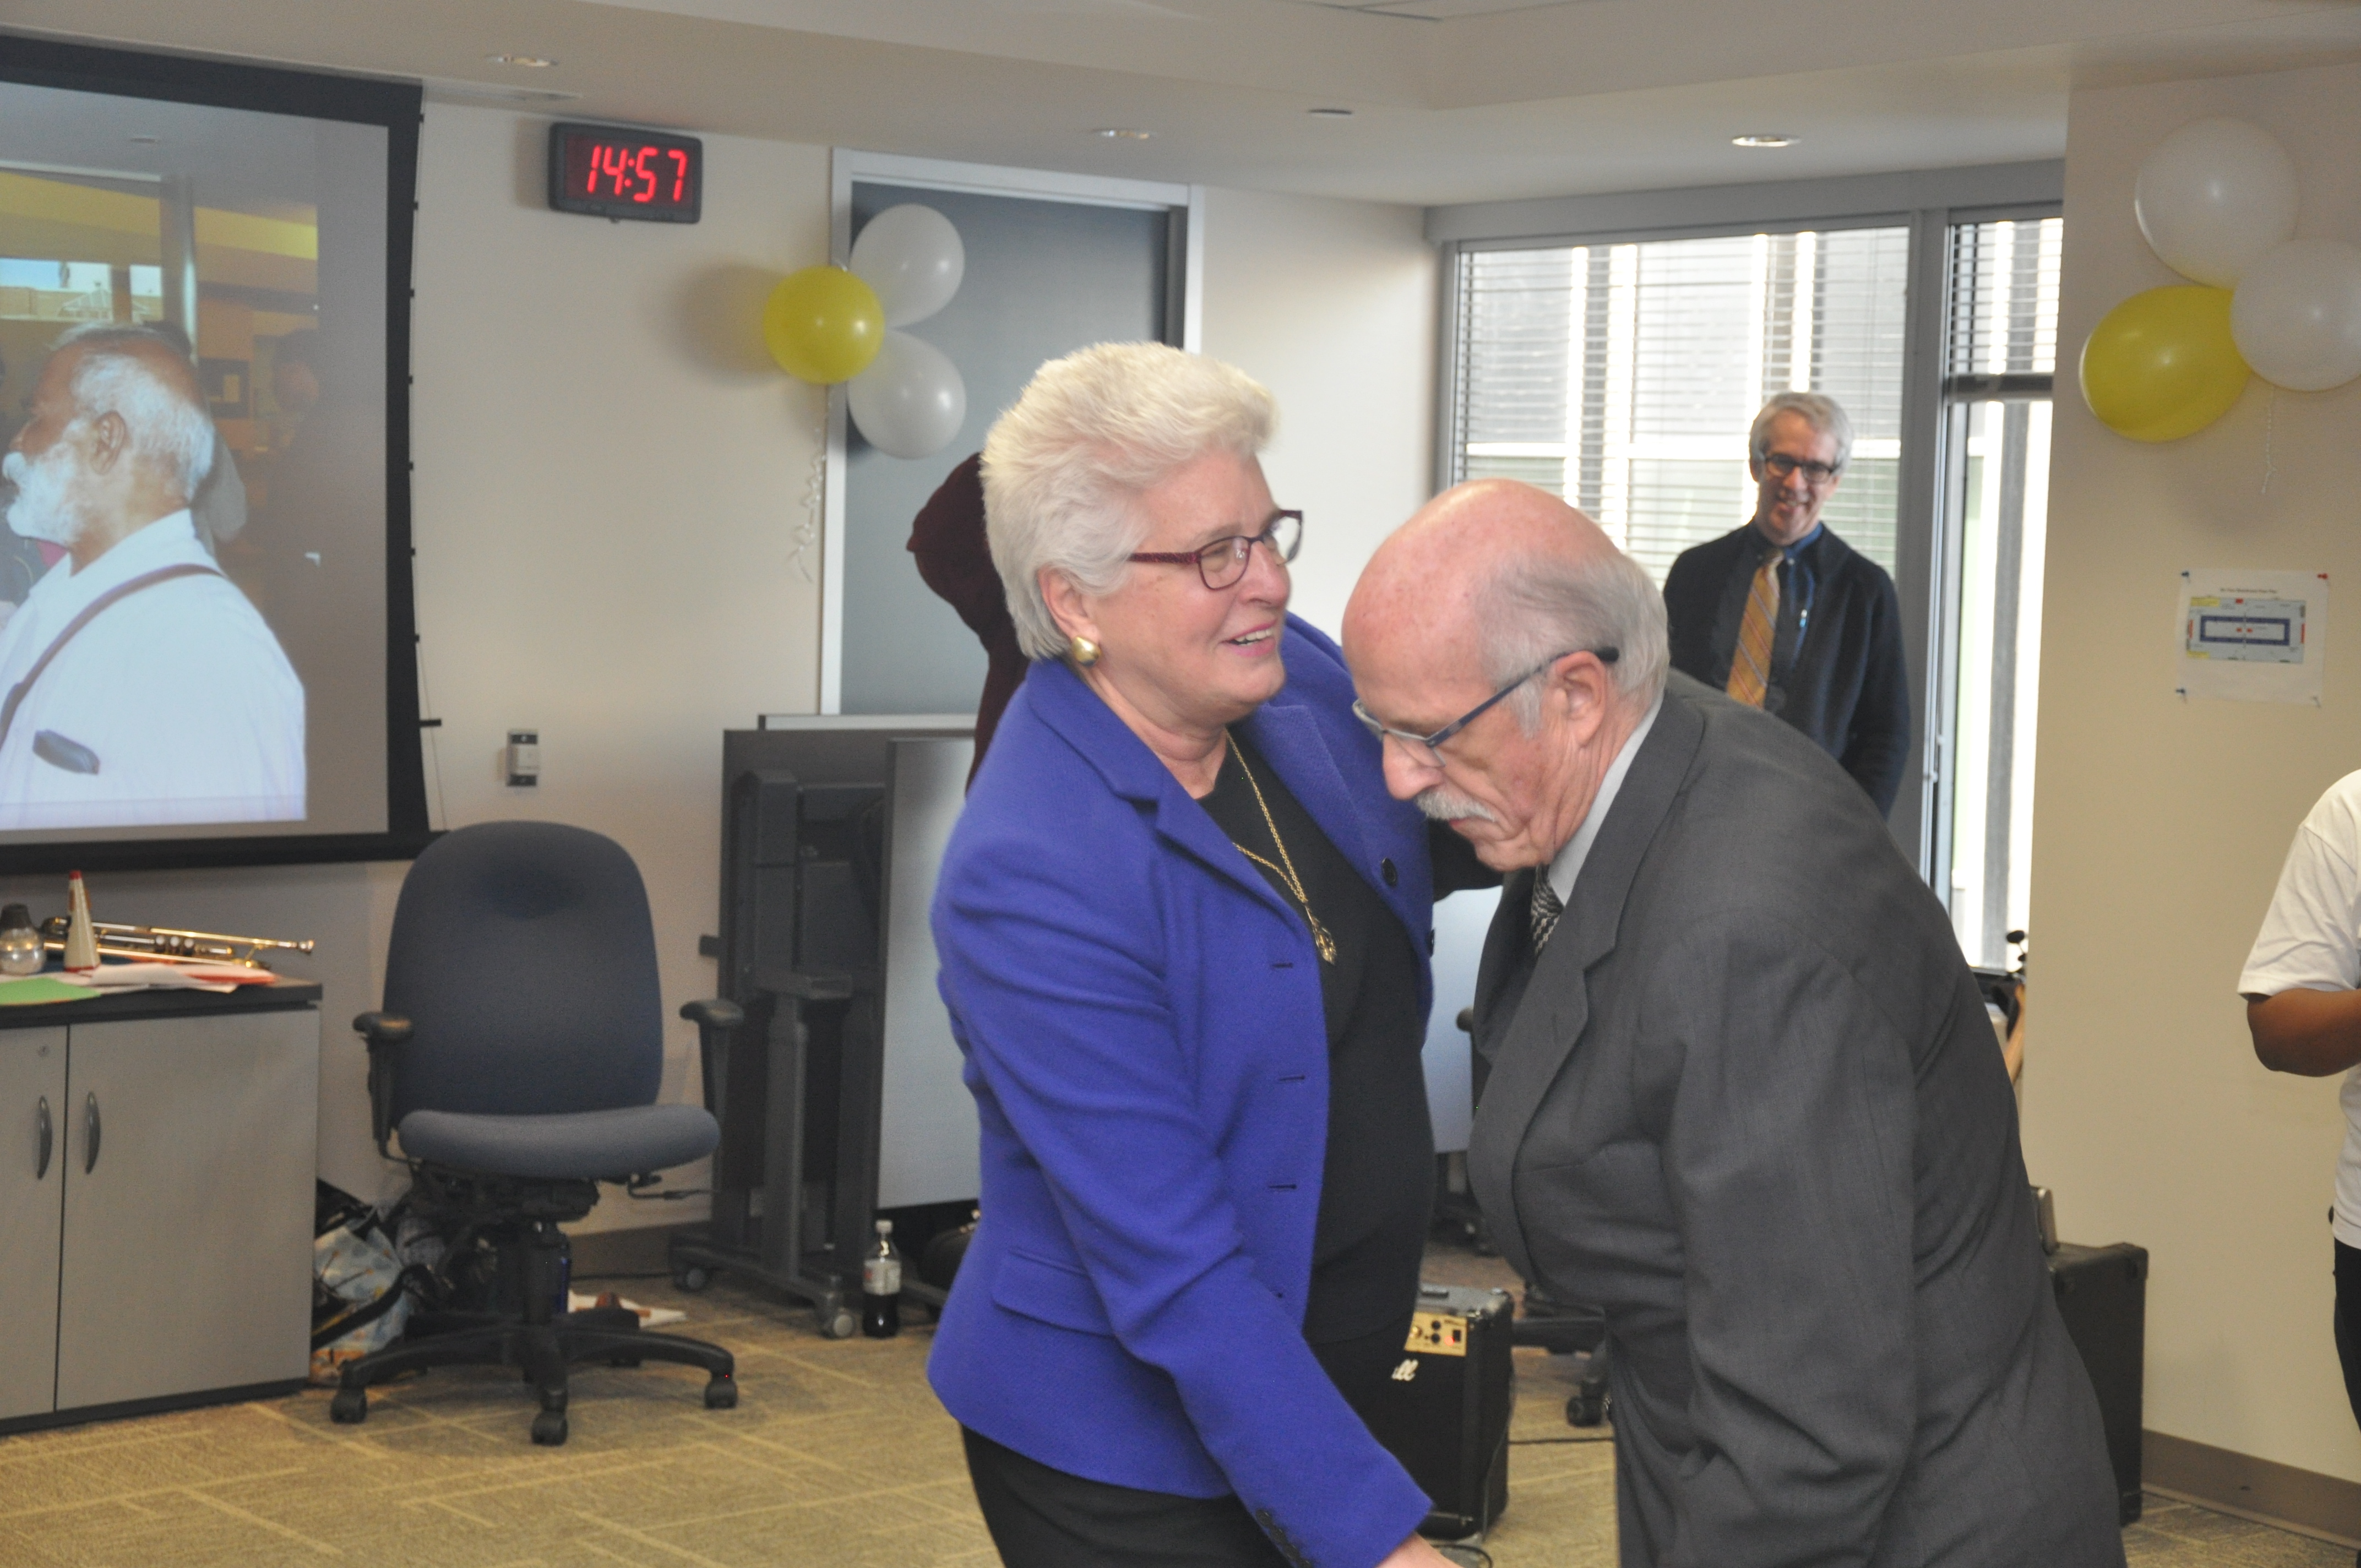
(1750, 665)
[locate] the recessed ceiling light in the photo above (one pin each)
(1329, 114)
(1122, 133)
(530, 62)
(1762, 138)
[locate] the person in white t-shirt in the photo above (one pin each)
(2302, 985)
(138, 684)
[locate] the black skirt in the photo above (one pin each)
(1043, 1517)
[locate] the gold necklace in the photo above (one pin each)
(1321, 939)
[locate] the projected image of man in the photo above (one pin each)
(138, 684)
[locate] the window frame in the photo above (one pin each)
(1927, 561)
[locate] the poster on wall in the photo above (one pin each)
(2251, 636)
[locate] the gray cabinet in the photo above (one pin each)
(32, 1184)
(164, 1253)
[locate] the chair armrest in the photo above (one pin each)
(382, 1028)
(713, 1012)
(383, 1031)
(717, 1022)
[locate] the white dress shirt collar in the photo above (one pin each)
(1568, 864)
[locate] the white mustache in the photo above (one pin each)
(1443, 805)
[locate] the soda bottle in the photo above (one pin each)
(880, 1287)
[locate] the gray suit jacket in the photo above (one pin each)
(1748, 1103)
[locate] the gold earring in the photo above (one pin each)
(1082, 649)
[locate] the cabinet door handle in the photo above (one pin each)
(90, 1134)
(42, 1133)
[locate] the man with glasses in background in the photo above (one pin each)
(1744, 1097)
(1785, 616)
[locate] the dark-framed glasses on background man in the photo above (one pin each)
(1422, 747)
(1223, 561)
(1779, 463)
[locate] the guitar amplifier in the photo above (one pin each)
(1445, 1413)
(2103, 1296)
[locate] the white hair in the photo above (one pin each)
(1064, 467)
(1822, 412)
(169, 432)
(1537, 608)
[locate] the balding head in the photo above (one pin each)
(1497, 587)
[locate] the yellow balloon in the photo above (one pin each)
(823, 325)
(2162, 365)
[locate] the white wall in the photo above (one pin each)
(2160, 824)
(1332, 305)
(609, 478)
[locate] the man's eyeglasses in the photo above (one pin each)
(1814, 473)
(1223, 561)
(1422, 748)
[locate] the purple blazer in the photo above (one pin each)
(1142, 1023)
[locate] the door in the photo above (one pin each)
(1044, 277)
(188, 1214)
(32, 1181)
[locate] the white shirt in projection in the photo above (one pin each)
(2310, 941)
(177, 693)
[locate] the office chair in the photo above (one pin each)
(518, 1056)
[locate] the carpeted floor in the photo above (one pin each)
(837, 1454)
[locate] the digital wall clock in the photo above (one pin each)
(614, 171)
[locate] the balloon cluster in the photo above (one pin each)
(2217, 201)
(826, 324)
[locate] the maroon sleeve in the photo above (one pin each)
(955, 560)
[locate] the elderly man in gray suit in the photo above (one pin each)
(1744, 1094)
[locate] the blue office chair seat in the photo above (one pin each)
(520, 1054)
(621, 1143)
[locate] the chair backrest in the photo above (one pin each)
(524, 957)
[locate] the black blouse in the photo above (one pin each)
(1378, 1178)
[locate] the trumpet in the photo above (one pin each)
(162, 943)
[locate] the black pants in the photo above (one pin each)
(2348, 1322)
(1043, 1517)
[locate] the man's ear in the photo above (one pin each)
(1583, 685)
(109, 440)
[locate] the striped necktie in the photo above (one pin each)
(1546, 908)
(1750, 662)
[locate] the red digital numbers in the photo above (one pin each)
(623, 176)
(628, 172)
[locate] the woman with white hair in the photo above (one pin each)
(1183, 932)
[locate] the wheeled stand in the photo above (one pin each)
(799, 1134)
(533, 1336)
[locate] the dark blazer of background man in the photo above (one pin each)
(1743, 1092)
(1837, 668)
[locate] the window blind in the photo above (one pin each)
(2002, 335)
(1624, 378)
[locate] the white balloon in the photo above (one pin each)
(2214, 197)
(2297, 315)
(910, 401)
(912, 256)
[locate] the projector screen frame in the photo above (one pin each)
(395, 106)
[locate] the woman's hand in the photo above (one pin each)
(1415, 1554)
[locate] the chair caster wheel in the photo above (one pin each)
(841, 1325)
(692, 1277)
(1586, 1409)
(349, 1407)
(549, 1427)
(721, 1394)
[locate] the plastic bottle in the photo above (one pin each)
(20, 943)
(881, 1286)
(82, 941)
